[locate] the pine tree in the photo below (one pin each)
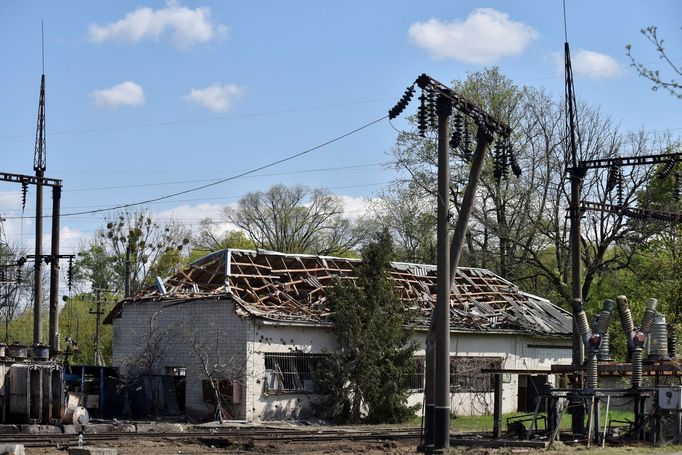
(375, 352)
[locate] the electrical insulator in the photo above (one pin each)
(69, 273)
(466, 143)
(516, 169)
(24, 192)
(620, 191)
(667, 169)
(612, 179)
(456, 138)
(402, 103)
(498, 171)
(18, 276)
(677, 188)
(431, 101)
(422, 115)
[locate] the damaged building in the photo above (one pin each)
(257, 322)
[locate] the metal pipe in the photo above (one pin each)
(442, 395)
(54, 270)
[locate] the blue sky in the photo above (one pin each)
(151, 92)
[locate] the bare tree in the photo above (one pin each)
(154, 248)
(204, 345)
(519, 226)
(294, 220)
(153, 345)
(673, 86)
(410, 218)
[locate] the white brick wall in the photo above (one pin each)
(221, 333)
(227, 335)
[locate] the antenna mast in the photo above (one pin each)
(39, 165)
(39, 153)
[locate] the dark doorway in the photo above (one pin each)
(179, 384)
(530, 391)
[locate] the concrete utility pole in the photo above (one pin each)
(576, 176)
(54, 271)
(437, 103)
(442, 398)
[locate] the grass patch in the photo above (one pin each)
(485, 422)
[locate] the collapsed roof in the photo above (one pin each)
(291, 287)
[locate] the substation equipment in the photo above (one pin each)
(651, 345)
(32, 377)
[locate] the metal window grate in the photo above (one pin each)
(466, 376)
(292, 372)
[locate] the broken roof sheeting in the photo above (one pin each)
(291, 287)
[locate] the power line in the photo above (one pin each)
(196, 199)
(200, 120)
(227, 179)
(177, 182)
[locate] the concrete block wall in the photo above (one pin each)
(245, 342)
(276, 338)
(218, 330)
(516, 354)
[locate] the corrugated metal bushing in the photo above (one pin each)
(605, 348)
(658, 340)
(605, 317)
(637, 368)
(649, 314)
(625, 315)
(672, 341)
(591, 378)
(583, 325)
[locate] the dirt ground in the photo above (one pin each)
(163, 447)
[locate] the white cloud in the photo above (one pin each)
(355, 207)
(594, 64)
(216, 97)
(484, 37)
(193, 213)
(184, 26)
(126, 93)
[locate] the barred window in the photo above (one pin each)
(415, 380)
(292, 372)
(466, 376)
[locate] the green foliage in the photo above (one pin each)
(375, 350)
(20, 329)
(97, 267)
(76, 322)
